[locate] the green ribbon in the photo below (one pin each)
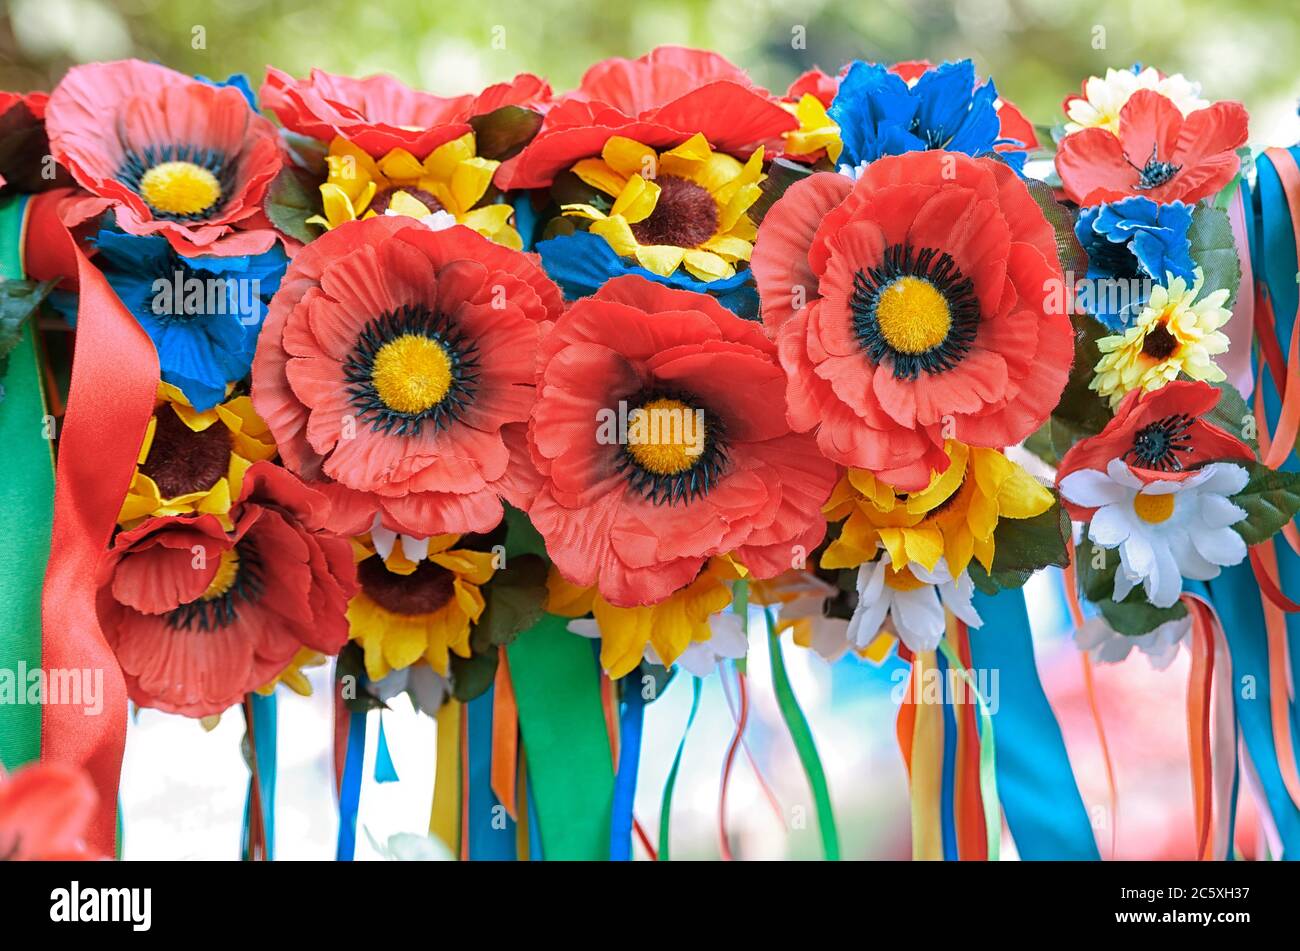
(570, 769)
(26, 516)
(666, 808)
(988, 758)
(797, 724)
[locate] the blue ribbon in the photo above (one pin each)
(265, 730)
(1039, 795)
(350, 788)
(629, 758)
(492, 833)
(385, 771)
(948, 788)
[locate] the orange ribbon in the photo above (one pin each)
(505, 737)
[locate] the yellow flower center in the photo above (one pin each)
(1153, 509)
(902, 580)
(667, 442)
(913, 315)
(411, 373)
(179, 188)
(227, 571)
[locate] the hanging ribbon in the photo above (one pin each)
(804, 745)
(629, 758)
(988, 783)
(491, 831)
(110, 400)
(741, 715)
(666, 806)
(921, 733)
(1035, 783)
(445, 818)
(26, 511)
(350, 789)
(505, 738)
(261, 719)
(968, 805)
(570, 769)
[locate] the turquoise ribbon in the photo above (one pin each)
(265, 727)
(629, 759)
(492, 834)
(1039, 795)
(350, 788)
(385, 771)
(948, 786)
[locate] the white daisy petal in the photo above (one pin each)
(1111, 525)
(1224, 478)
(1119, 472)
(919, 617)
(1220, 546)
(1189, 560)
(1217, 512)
(1165, 584)
(1090, 488)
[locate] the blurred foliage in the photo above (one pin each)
(1037, 50)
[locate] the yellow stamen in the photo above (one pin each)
(412, 373)
(1153, 509)
(663, 446)
(225, 577)
(913, 315)
(179, 188)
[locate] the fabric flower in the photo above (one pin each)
(1161, 435)
(198, 616)
(24, 145)
(1156, 152)
(171, 155)
(660, 435)
(1104, 97)
(294, 674)
(202, 313)
(395, 368)
(913, 307)
(193, 462)
(661, 100)
(1175, 333)
(1105, 645)
(1164, 529)
(879, 113)
(45, 809)
(817, 134)
(953, 518)
(407, 610)
(913, 600)
(453, 179)
(1130, 244)
(427, 688)
(379, 113)
(680, 627)
(683, 208)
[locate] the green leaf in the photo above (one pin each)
(1073, 257)
(1081, 411)
(521, 537)
(18, 301)
(291, 200)
(1135, 615)
(515, 599)
(472, 676)
(1039, 442)
(307, 153)
(780, 176)
(1270, 498)
(662, 677)
(1215, 251)
(1232, 415)
(1023, 546)
(503, 133)
(351, 670)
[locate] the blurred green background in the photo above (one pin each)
(1037, 50)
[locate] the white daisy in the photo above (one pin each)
(1104, 97)
(1107, 646)
(913, 599)
(701, 658)
(1164, 530)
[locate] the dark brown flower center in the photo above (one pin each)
(182, 460)
(1159, 343)
(423, 591)
(685, 215)
(379, 204)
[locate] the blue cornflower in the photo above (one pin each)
(879, 114)
(1131, 244)
(203, 313)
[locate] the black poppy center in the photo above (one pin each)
(1157, 445)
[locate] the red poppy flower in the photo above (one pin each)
(640, 515)
(822, 86)
(170, 154)
(44, 811)
(396, 368)
(22, 141)
(1162, 435)
(912, 307)
(659, 100)
(1158, 153)
(380, 113)
(199, 616)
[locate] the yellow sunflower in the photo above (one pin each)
(409, 610)
(817, 130)
(194, 462)
(682, 208)
(453, 179)
(669, 627)
(953, 518)
(1175, 333)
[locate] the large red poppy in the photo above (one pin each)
(1163, 435)
(169, 154)
(659, 100)
(199, 616)
(44, 811)
(396, 369)
(640, 520)
(380, 113)
(1158, 153)
(913, 307)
